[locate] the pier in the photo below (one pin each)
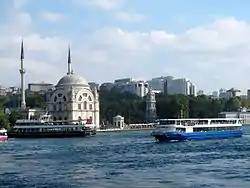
(130, 127)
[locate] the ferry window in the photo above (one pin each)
(85, 105)
(79, 106)
(180, 129)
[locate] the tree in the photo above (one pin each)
(233, 104)
(4, 122)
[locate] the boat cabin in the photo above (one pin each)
(199, 125)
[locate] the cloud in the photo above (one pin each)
(103, 4)
(129, 16)
(211, 55)
(52, 16)
(18, 4)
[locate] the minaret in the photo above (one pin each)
(70, 71)
(22, 73)
(150, 106)
(96, 108)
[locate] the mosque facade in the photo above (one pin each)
(73, 100)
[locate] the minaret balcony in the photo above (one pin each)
(22, 71)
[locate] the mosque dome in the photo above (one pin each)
(72, 80)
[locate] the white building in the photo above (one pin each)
(37, 87)
(180, 86)
(243, 113)
(200, 92)
(139, 88)
(248, 94)
(158, 85)
(215, 94)
(73, 100)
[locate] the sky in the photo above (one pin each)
(207, 42)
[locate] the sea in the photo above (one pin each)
(129, 159)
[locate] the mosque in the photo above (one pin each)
(72, 100)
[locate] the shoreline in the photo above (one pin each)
(123, 130)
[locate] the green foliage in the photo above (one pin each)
(13, 117)
(4, 122)
(36, 100)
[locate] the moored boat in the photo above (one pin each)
(44, 128)
(3, 135)
(197, 129)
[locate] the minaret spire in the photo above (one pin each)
(22, 73)
(70, 71)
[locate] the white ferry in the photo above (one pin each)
(44, 127)
(3, 135)
(197, 129)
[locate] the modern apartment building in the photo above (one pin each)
(38, 87)
(180, 86)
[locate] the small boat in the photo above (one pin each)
(169, 130)
(3, 135)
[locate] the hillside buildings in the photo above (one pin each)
(168, 85)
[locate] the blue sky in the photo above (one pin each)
(206, 41)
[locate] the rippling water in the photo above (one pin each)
(125, 160)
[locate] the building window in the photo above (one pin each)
(79, 106)
(90, 98)
(80, 98)
(54, 107)
(65, 118)
(90, 106)
(64, 99)
(85, 94)
(59, 95)
(85, 105)
(60, 106)
(55, 99)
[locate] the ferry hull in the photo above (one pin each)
(3, 138)
(182, 136)
(51, 134)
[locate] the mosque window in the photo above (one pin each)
(90, 106)
(90, 98)
(85, 105)
(55, 99)
(79, 106)
(64, 99)
(59, 95)
(60, 106)
(80, 98)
